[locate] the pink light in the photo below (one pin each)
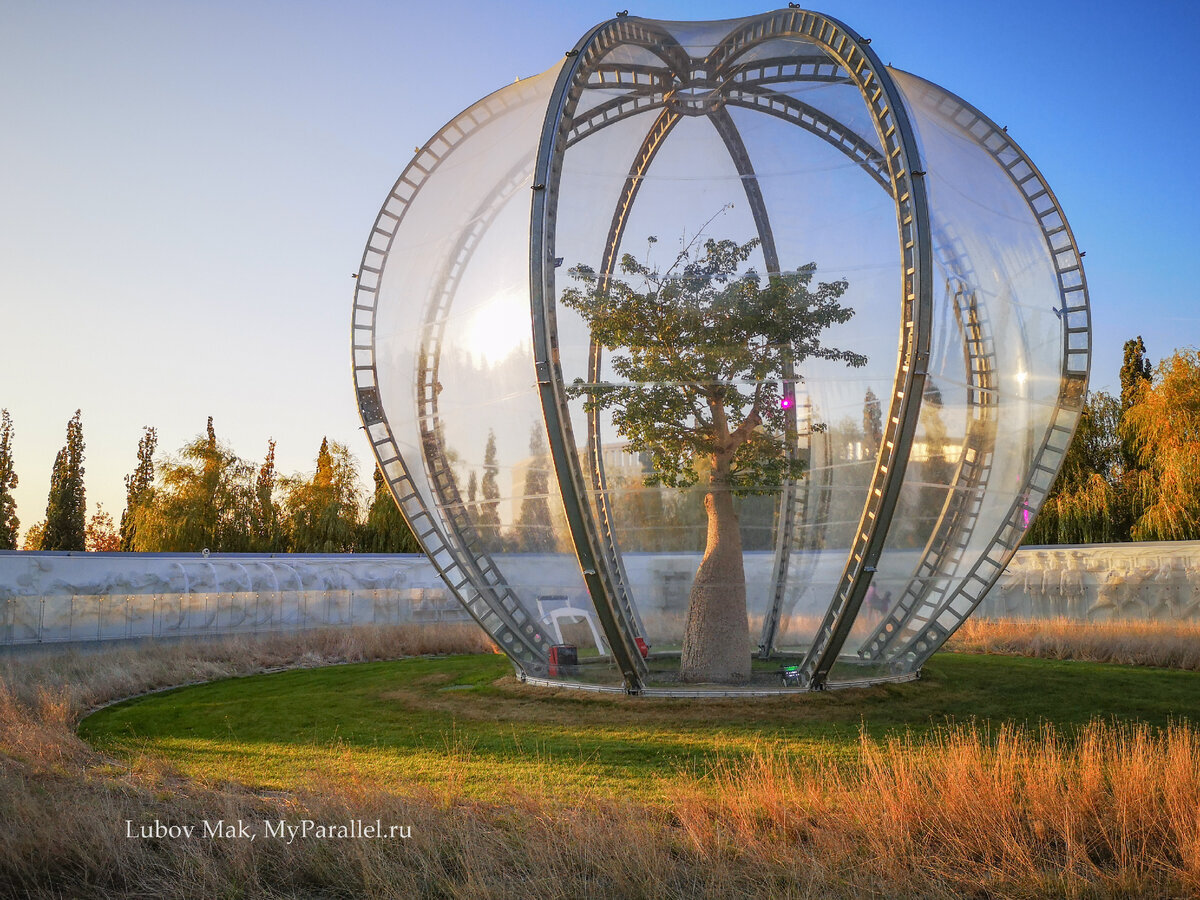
(785, 403)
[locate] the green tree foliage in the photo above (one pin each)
(323, 511)
(535, 528)
(700, 351)
(694, 339)
(66, 503)
(1162, 427)
(203, 500)
(1136, 372)
(385, 530)
(9, 523)
(488, 521)
(139, 486)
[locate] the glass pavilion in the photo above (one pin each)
(924, 466)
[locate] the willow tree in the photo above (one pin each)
(701, 352)
(1163, 428)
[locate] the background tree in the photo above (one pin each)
(202, 500)
(138, 486)
(872, 424)
(101, 536)
(34, 536)
(1085, 502)
(488, 523)
(9, 523)
(699, 353)
(267, 533)
(535, 528)
(385, 530)
(1136, 375)
(66, 503)
(323, 511)
(472, 495)
(1162, 427)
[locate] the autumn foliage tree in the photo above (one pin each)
(101, 536)
(700, 352)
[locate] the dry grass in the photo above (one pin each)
(1114, 812)
(1169, 645)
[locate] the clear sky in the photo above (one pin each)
(185, 188)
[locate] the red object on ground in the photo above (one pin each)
(562, 656)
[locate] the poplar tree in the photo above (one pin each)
(267, 534)
(1136, 375)
(138, 486)
(9, 523)
(66, 504)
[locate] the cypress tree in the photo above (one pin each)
(9, 523)
(489, 487)
(535, 529)
(65, 505)
(872, 424)
(138, 486)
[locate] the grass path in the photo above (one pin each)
(463, 725)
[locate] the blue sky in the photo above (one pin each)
(185, 189)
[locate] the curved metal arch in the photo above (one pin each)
(662, 126)
(886, 106)
(1075, 316)
(820, 68)
(478, 600)
(908, 190)
(476, 556)
(947, 543)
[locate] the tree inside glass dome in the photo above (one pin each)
(701, 350)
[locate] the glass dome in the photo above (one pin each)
(720, 358)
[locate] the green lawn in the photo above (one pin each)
(463, 724)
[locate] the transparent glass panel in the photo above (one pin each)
(638, 198)
(1002, 364)
(456, 377)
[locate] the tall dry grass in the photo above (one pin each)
(1113, 812)
(1172, 645)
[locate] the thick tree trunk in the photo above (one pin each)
(716, 636)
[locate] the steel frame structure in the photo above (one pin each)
(939, 595)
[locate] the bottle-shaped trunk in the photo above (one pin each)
(716, 637)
